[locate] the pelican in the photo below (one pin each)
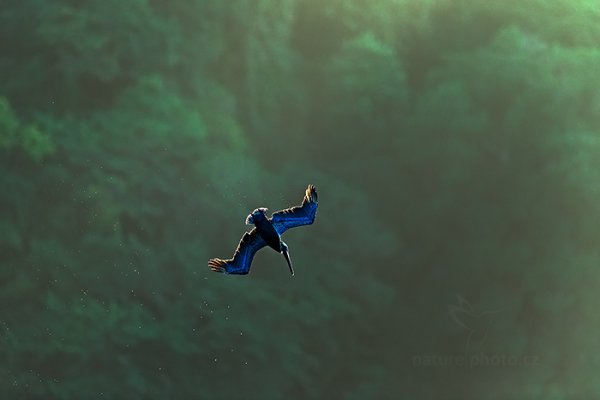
(267, 232)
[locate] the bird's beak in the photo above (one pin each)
(289, 261)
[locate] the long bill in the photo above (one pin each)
(286, 254)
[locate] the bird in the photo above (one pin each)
(267, 232)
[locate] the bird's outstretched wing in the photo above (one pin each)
(242, 258)
(297, 216)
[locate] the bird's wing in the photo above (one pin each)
(242, 258)
(297, 216)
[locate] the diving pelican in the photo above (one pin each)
(268, 231)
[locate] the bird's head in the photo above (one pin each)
(256, 215)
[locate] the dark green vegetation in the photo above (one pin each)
(455, 146)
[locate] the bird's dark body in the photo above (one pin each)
(267, 232)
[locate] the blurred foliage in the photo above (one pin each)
(455, 145)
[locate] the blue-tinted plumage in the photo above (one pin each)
(267, 232)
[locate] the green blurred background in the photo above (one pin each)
(455, 145)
